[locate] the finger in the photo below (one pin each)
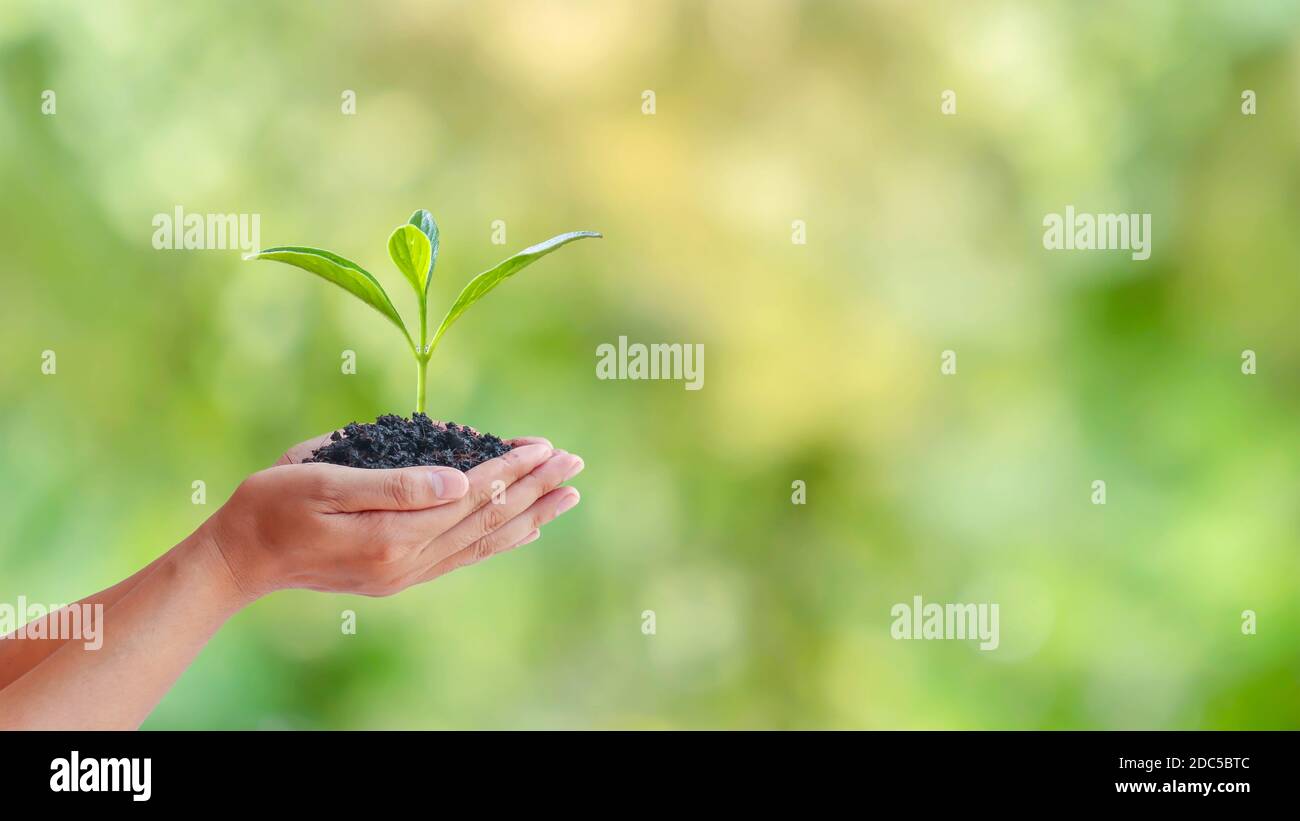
(352, 490)
(485, 481)
(489, 478)
(302, 450)
(520, 441)
(518, 531)
(504, 507)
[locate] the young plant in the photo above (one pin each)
(414, 250)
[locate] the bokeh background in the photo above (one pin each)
(822, 360)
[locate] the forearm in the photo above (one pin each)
(19, 656)
(150, 635)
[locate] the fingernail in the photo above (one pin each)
(568, 502)
(447, 484)
(575, 468)
(536, 534)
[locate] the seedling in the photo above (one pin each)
(414, 250)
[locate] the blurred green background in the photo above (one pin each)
(822, 360)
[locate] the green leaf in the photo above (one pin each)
(479, 286)
(411, 251)
(342, 272)
(423, 220)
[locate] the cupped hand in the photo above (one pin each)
(376, 532)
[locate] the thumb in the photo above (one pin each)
(352, 490)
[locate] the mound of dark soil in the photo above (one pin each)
(395, 442)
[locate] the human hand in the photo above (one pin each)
(376, 532)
